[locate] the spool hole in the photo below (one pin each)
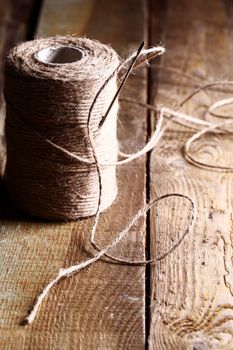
(60, 54)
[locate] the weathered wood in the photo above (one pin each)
(14, 19)
(193, 286)
(102, 307)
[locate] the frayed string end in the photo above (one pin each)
(145, 55)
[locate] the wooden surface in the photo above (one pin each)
(107, 306)
(14, 27)
(193, 287)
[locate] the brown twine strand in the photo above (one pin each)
(67, 272)
(101, 112)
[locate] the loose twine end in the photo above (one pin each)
(143, 56)
(67, 272)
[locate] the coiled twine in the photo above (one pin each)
(50, 85)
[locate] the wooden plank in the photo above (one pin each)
(192, 305)
(14, 17)
(102, 307)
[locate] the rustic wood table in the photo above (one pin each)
(184, 301)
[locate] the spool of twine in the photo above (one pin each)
(49, 89)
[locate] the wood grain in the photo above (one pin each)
(102, 307)
(192, 304)
(14, 20)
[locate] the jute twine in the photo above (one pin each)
(62, 115)
(48, 104)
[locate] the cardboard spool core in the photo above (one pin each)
(59, 55)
